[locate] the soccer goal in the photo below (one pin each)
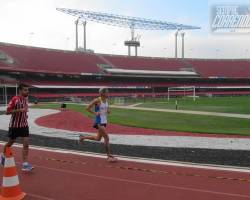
(186, 91)
(3, 95)
(119, 101)
(6, 92)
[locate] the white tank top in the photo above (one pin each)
(102, 108)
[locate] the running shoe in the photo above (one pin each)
(112, 159)
(27, 167)
(80, 141)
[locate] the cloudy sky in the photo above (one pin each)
(37, 23)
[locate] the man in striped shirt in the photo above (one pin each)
(18, 127)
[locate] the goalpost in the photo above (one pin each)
(5, 94)
(184, 90)
(120, 101)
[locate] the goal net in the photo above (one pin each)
(185, 91)
(119, 100)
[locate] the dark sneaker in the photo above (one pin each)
(80, 141)
(112, 159)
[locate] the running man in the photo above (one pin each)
(18, 127)
(101, 112)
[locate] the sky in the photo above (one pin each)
(37, 23)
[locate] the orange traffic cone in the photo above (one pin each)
(10, 188)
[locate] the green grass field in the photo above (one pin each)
(240, 105)
(179, 121)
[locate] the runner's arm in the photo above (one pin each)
(91, 105)
(11, 106)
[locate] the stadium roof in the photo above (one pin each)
(126, 21)
(151, 72)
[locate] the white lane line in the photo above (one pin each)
(142, 160)
(38, 196)
(234, 115)
(144, 183)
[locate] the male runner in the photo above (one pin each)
(101, 112)
(18, 127)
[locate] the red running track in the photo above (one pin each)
(75, 121)
(66, 176)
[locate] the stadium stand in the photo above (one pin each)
(41, 60)
(144, 63)
(222, 68)
(56, 73)
(31, 59)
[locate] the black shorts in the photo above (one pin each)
(96, 125)
(18, 132)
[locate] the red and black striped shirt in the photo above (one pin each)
(18, 119)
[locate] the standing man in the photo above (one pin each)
(18, 127)
(100, 111)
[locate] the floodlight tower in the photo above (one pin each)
(126, 22)
(183, 41)
(84, 23)
(76, 23)
(134, 42)
(176, 43)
